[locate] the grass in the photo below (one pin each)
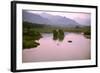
(30, 38)
(30, 44)
(33, 33)
(50, 29)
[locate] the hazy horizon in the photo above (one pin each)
(81, 18)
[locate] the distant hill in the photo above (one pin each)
(48, 19)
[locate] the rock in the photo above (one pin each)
(69, 41)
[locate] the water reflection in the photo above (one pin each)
(54, 50)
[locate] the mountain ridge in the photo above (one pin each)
(48, 19)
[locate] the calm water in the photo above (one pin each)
(51, 50)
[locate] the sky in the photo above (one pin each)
(81, 18)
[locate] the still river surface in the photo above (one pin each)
(51, 50)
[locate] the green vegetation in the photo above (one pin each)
(87, 32)
(55, 35)
(43, 28)
(29, 44)
(32, 32)
(30, 37)
(58, 34)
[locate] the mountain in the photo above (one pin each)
(60, 20)
(49, 19)
(33, 18)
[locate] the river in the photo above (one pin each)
(54, 50)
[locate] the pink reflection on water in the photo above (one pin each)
(50, 50)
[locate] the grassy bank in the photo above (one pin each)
(32, 33)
